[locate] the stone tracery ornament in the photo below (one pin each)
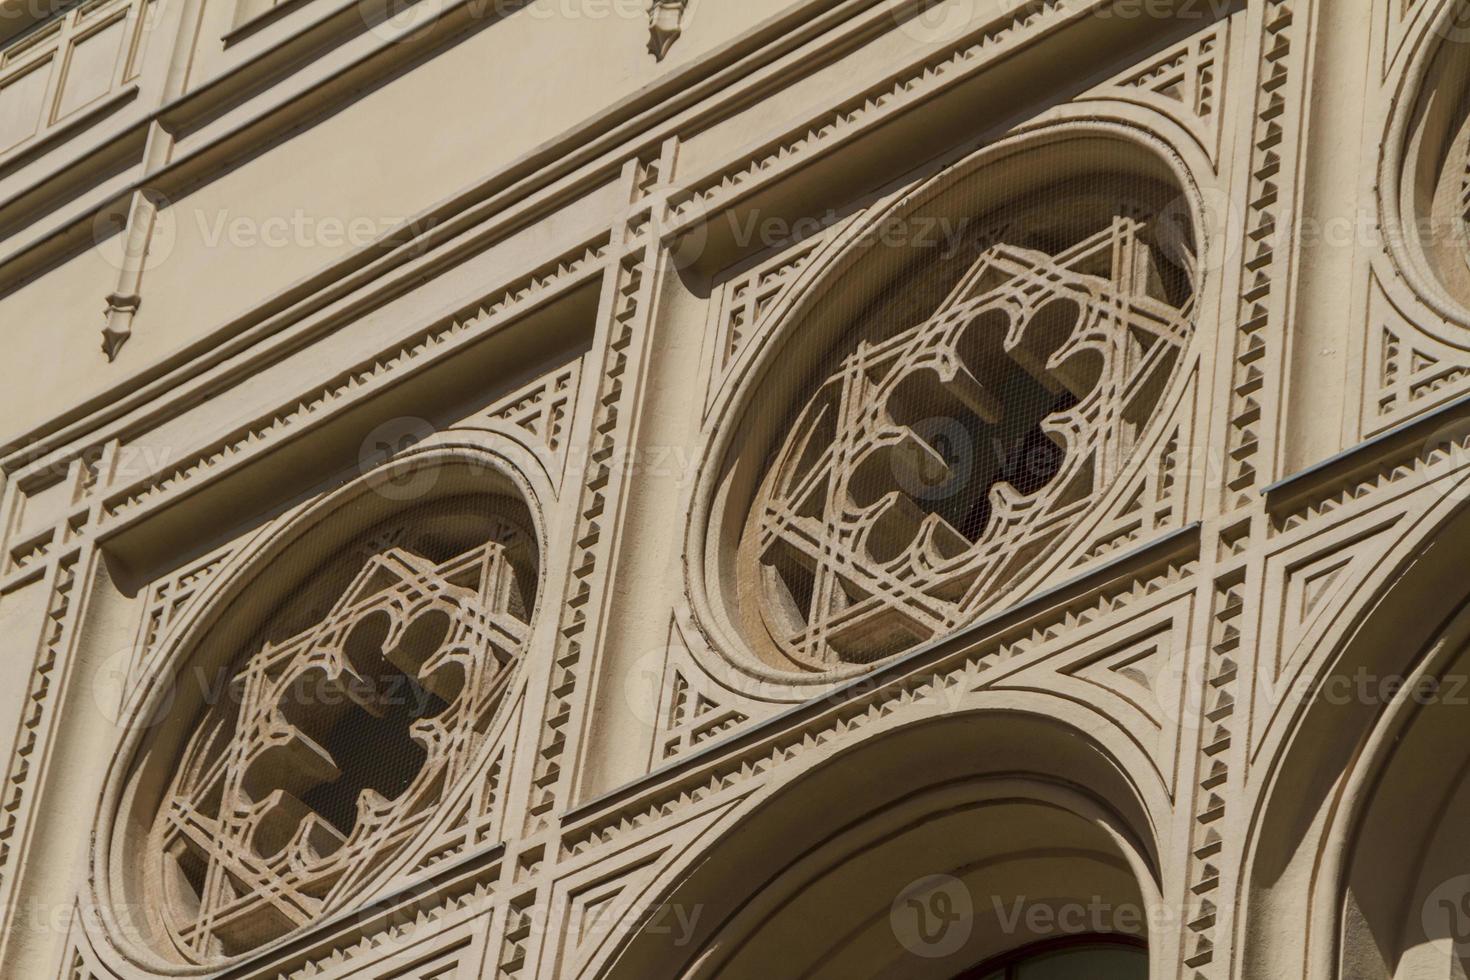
(1419, 342)
(1424, 181)
(932, 467)
(332, 748)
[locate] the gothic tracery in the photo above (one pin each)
(329, 751)
(930, 468)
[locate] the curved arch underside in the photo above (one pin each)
(866, 864)
(1359, 866)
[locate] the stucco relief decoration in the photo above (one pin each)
(1416, 356)
(968, 418)
(1426, 176)
(341, 725)
(665, 25)
(1434, 189)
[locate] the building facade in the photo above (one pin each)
(696, 488)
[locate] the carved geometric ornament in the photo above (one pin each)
(1424, 185)
(329, 751)
(932, 466)
(1419, 357)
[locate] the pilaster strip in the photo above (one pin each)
(1249, 446)
(37, 716)
(602, 482)
(1269, 216)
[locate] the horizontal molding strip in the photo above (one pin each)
(1180, 545)
(172, 386)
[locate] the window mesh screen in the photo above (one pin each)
(988, 371)
(350, 710)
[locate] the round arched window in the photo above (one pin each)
(340, 687)
(962, 379)
(1425, 182)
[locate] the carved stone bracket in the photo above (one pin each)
(665, 24)
(119, 327)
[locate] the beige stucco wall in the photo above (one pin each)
(524, 237)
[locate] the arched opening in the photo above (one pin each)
(1406, 900)
(871, 866)
(1358, 866)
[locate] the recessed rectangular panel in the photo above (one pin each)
(21, 103)
(90, 68)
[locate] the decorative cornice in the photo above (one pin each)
(422, 347)
(465, 887)
(1425, 447)
(921, 81)
(755, 748)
